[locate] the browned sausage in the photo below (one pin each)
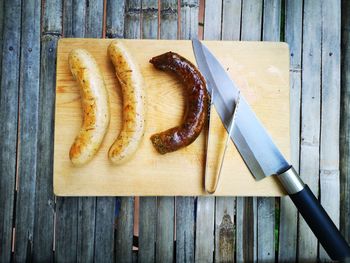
(197, 103)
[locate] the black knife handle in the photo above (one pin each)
(315, 215)
(321, 224)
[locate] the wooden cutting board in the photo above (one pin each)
(261, 69)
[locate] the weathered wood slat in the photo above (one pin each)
(185, 229)
(345, 124)
(225, 229)
(52, 17)
(165, 229)
(104, 232)
(149, 18)
(2, 7)
(185, 206)
(212, 20)
(9, 118)
(28, 123)
(44, 198)
(115, 18)
(86, 229)
(132, 22)
(272, 20)
(94, 19)
(330, 113)
(231, 19)
(74, 18)
(288, 212)
(205, 229)
(67, 228)
(310, 117)
(246, 229)
(147, 229)
(168, 19)
(66, 234)
(148, 205)
(246, 208)
(189, 19)
(266, 206)
(124, 230)
(251, 20)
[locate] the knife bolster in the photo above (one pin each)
(291, 181)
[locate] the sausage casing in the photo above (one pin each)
(95, 105)
(132, 86)
(197, 103)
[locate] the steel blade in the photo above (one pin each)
(253, 142)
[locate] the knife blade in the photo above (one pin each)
(262, 156)
(256, 146)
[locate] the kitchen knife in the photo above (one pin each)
(262, 156)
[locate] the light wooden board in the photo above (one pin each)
(260, 69)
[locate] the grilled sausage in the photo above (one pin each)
(131, 82)
(197, 103)
(95, 104)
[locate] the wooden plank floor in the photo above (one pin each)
(35, 226)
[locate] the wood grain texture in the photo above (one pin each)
(28, 132)
(251, 20)
(205, 229)
(86, 229)
(288, 212)
(132, 26)
(268, 97)
(231, 19)
(124, 230)
(104, 230)
(52, 17)
(147, 229)
(66, 234)
(225, 229)
(185, 206)
(185, 229)
(44, 198)
(115, 18)
(2, 8)
(345, 123)
(310, 118)
(9, 118)
(246, 229)
(189, 19)
(165, 229)
(149, 19)
(212, 19)
(330, 117)
(272, 20)
(168, 19)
